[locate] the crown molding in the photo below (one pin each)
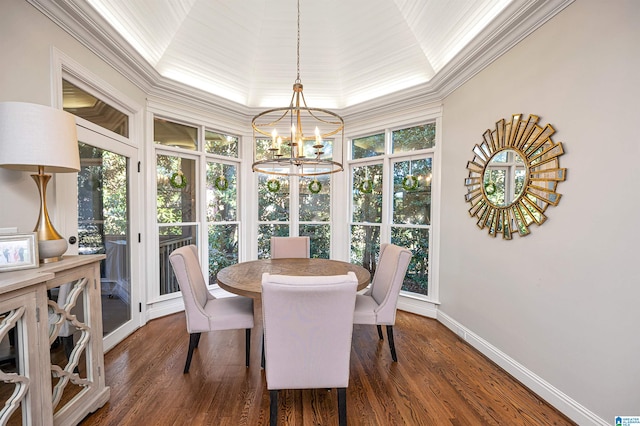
(515, 23)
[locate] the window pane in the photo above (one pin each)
(171, 238)
(365, 246)
(82, 104)
(412, 192)
(521, 175)
(315, 199)
(174, 134)
(413, 138)
(176, 190)
(223, 248)
(416, 240)
(494, 184)
(326, 152)
(369, 146)
(222, 198)
(500, 157)
(218, 143)
(265, 232)
(320, 239)
(265, 149)
(273, 198)
(367, 193)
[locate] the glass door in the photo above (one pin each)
(104, 194)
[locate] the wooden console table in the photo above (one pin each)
(51, 322)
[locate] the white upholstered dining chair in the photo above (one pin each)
(290, 247)
(378, 304)
(308, 324)
(204, 312)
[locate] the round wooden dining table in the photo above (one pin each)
(245, 278)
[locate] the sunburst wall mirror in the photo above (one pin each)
(513, 176)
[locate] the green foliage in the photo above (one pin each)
(413, 138)
(412, 206)
(369, 146)
(273, 206)
(315, 207)
(416, 240)
(367, 206)
(102, 198)
(175, 205)
(222, 204)
(365, 246)
(223, 248)
(320, 239)
(265, 232)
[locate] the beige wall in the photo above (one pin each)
(26, 40)
(565, 301)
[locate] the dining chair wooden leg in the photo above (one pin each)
(193, 343)
(342, 406)
(379, 327)
(392, 345)
(273, 407)
(262, 358)
(247, 345)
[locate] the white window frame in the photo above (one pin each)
(413, 302)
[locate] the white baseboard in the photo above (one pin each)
(418, 306)
(164, 308)
(545, 390)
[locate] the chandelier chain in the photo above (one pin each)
(298, 47)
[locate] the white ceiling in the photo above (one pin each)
(350, 50)
(355, 55)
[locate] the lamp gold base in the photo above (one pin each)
(51, 245)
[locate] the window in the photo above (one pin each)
(196, 206)
(221, 203)
(81, 103)
(294, 206)
(176, 211)
(391, 178)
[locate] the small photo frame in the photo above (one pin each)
(18, 251)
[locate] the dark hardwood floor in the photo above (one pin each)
(438, 380)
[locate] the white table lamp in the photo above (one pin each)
(40, 139)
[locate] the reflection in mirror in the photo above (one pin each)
(504, 178)
(513, 176)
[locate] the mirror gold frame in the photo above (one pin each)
(543, 173)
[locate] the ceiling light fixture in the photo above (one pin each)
(282, 146)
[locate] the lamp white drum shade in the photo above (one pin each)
(40, 139)
(33, 135)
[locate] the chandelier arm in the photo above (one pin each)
(310, 110)
(271, 123)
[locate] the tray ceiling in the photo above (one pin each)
(350, 51)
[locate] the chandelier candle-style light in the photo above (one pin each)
(298, 138)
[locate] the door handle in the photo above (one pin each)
(72, 239)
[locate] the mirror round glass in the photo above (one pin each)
(504, 178)
(513, 176)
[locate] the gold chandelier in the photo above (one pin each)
(282, 146)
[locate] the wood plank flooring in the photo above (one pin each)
(438, 380)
